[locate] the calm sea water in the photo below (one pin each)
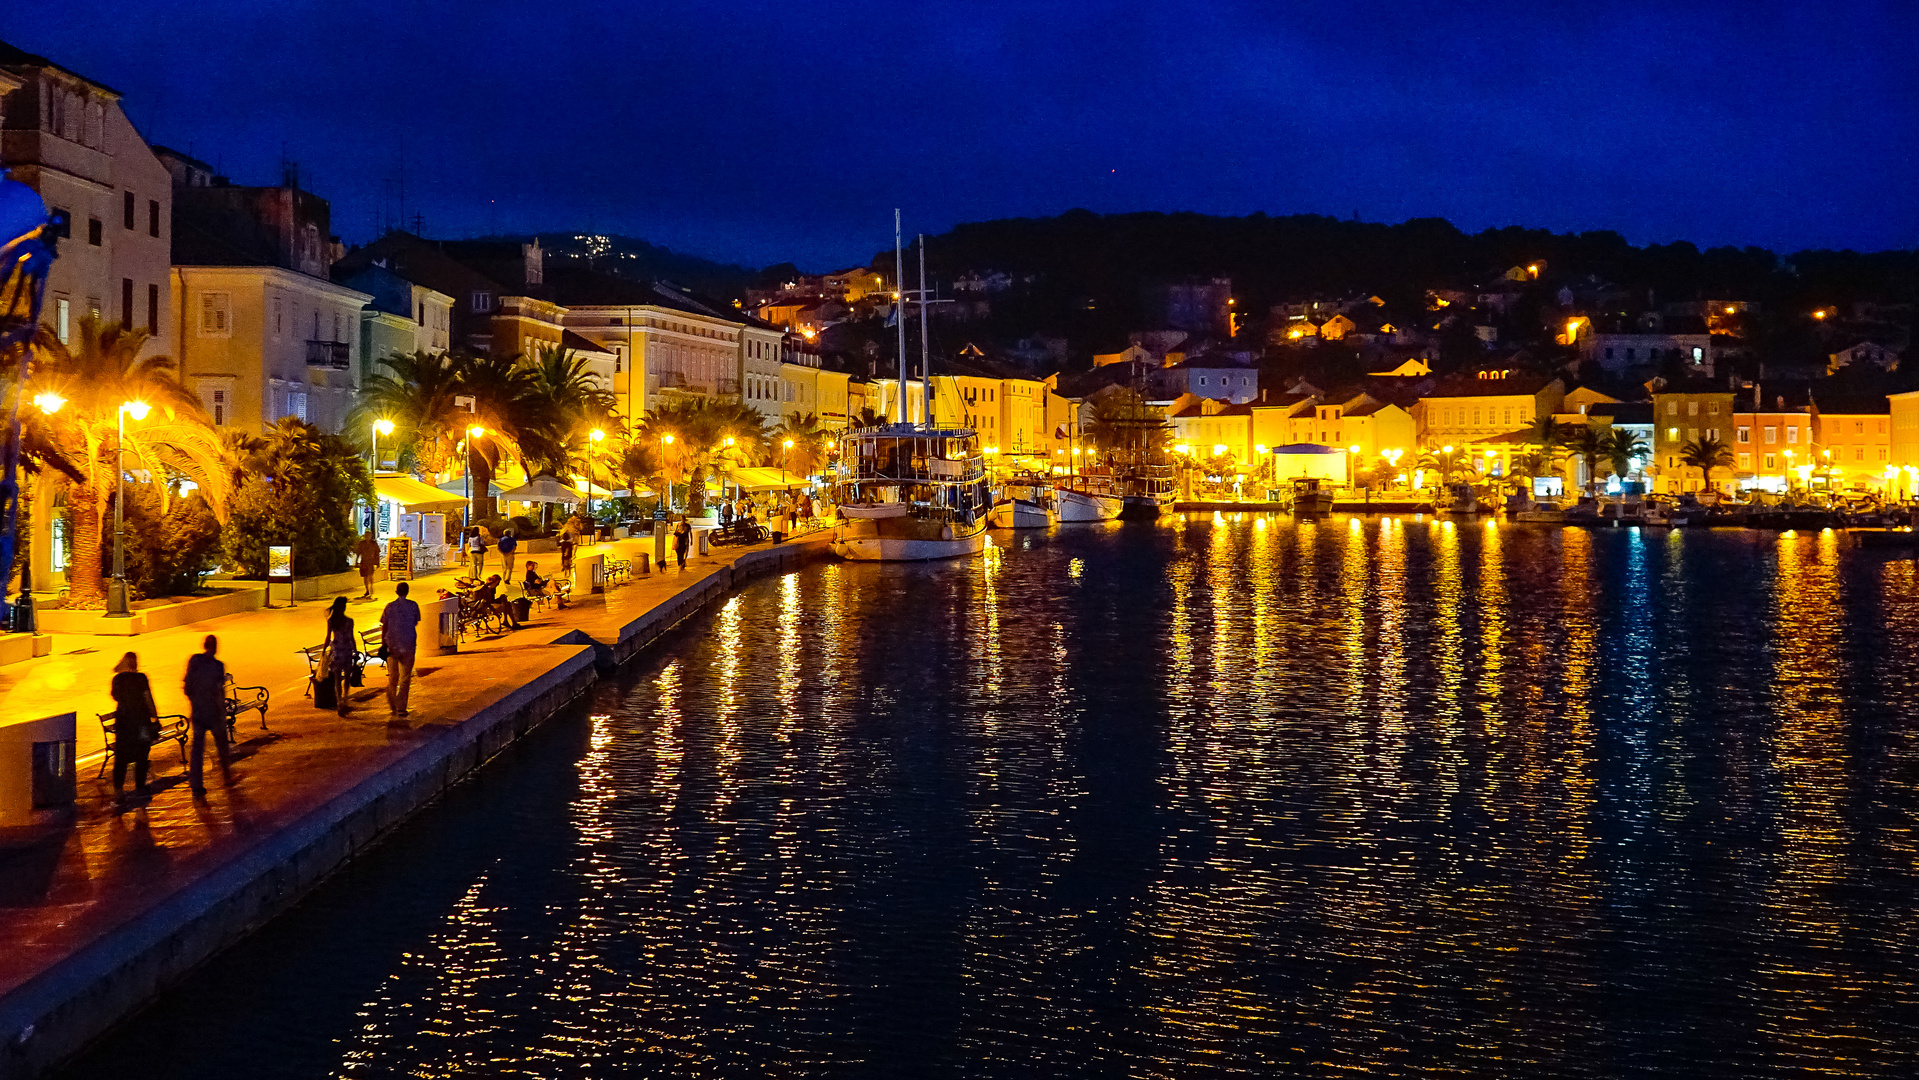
(1195, 798)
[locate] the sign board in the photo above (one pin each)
(280, 563)
(1548, 487)
(399, 559)
(659, 513)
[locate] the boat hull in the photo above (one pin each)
(906, 539)
(1318, 505)
(1079, 506)
(1018, 514)
(1143, 507)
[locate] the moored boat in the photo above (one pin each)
(1145, 488)
(1080, 498)
(1022, 506)
(907, 493)
(1310, 499)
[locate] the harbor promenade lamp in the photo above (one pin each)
(1352, 464)
(380, 427)
(785, 452)
(466, 458)
(117, 607)
(593, 440)
(666, 441)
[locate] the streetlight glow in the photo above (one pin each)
(136, 409)
(384, 427)
(49, 402)
(475, 432)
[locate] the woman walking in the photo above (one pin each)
(682, 541)
(134, 725)
(477, 549)
(340, 651)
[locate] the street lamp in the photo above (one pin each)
(117, 606)
(49, 402)
(666, 441)
(593, 441)
(466, 457)
(788, 449)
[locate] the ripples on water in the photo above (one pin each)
(1388, 797)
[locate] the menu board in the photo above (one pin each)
(399, 558)
(280, 563)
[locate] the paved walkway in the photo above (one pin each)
(62, 887)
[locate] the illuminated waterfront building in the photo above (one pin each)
(1682, 417)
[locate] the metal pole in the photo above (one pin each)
(466, 481)
(117, 591)
(926, 367)
(899, 307)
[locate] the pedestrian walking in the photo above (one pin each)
(476, 552)
(726, 513)
(206, 687)
(399, 635)
(566, 549)
(682, 541)
(135, 725)
(341, 651)
(508, 545)
(368, 552)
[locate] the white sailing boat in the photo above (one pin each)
(1086, 498)
(907, 491)
(1023, 506)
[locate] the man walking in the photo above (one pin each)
(206, 687)
(368, 554)
(508, 545)
(399, 633)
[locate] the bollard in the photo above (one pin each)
(660, 529)
(593, 570)
(37, 771)
(446, 613)
(703, 533)
(646, 562)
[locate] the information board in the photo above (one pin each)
(399, 559)
(280, 563)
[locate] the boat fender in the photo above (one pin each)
(946, 532)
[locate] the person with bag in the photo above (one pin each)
(476, 548)
(206, 687)
(399, 636)
(135, 725)
(508, 545)
(535, 585)
(339, 652)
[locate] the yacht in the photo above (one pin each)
(1023, 505)
(1310, 498)
(1146, 487)
(908, 493)
(1086, 498)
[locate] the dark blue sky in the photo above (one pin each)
(763, 132)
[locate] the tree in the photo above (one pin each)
(1588, 445)
(567, 402)
(1622, 448)
(868, 419)
(298, 485)
(1124, 422)
(811, 443)
(1446, 461)
(706, 435)
(417, 393)
(1706, 454)
(175, 440)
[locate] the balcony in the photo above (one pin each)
(329, 354)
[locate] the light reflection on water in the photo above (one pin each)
(1395, 797)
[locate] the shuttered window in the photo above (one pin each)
(216, 318)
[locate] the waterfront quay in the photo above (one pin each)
(102, 913)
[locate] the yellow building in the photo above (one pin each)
(1854, 442)
(1209, 428)
(1484, 403)
(1681, 418)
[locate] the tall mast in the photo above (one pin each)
(899, 307)
(926, 368)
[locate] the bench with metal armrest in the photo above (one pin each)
(619, 570)
(242, 698)
(555, 591)
(165, 727)
(371, 642)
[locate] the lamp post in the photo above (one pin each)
(592, 446)
(666, 441)
(379, 428)
(785, 452)
(117, 606)
(466, 457)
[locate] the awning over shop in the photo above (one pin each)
(411, 494)
(456, 487)
(767, 479)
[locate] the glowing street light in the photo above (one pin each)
(117, 606)
(49, 402)
(594, 438)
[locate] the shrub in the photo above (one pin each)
(168, 552)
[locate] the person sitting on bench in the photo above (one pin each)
(535, 585)
(488, 598)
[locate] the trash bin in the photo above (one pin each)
(36, 770)
(703, 534)
(447, 614)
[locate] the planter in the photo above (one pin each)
(249, 597)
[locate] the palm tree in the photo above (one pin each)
(1622, 448)
(567, 401)
(706, 435)
(868, 419)
(1445, 461)
(1706, 454)
(1588, 445)
(95, 380)
(417, 393)
(810, 443)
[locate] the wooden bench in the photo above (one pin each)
(169, 727)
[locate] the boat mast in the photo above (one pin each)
(926, 367)
(899, 307)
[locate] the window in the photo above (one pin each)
(1712, 408)
(296, 404)
(1792, 434)
(63, 319)
(153, 309)
(1629, 354)
(1772, 434)
(1745, 434)
(1672, 433)
(1692, 408)
(316, 325)
(1609, 352)
(483, 301)
(1698, 355)
(1672, 408)
(62, 223)
(128, 214)
(153, 217)
(215, 315)
(1858, 427)
(126, 302)
(1882, 453)
(279, 316)
(94, 231)
(1858, 453)
(1745, 461)
(1771, 462)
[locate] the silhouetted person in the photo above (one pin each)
(399, 632)
(682, 541)
(135, 724)
(206, 687)
(368, 551)
(340, 651)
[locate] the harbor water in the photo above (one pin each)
(1206, 796)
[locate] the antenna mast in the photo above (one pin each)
(899, 307)
(926, 367)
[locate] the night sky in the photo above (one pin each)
(766, 132)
